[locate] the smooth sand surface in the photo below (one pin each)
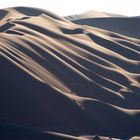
(66, 79)
(92, 14)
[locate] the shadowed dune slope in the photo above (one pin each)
(68, 78)
(11, 131)
(128, 26)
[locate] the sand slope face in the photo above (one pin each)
(59, 76)
(128, 26)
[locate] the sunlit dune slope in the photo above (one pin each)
(68, 78)
(92, 14)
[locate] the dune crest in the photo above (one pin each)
(68, 78)
(92, 14)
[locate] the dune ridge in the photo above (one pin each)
(92, 14)
(75, 79)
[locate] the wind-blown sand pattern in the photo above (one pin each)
(66, 80)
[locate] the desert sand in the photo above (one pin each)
(68, 79)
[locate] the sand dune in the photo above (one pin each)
(68, 78)
(92, 14)
(116, 23)
(128, 26)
